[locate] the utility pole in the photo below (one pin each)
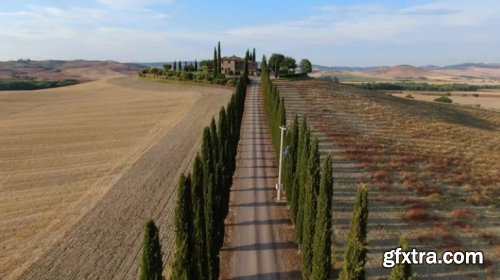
(279, 185)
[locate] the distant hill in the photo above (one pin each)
(82, 70)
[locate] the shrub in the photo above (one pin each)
(475, 95)
(187, 76)
(409, 96)
(443, 99)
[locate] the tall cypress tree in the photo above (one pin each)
(182, 265)
(175, 66)
(195, 65)
(151, 266)
(401, 271)
(216, 63)
(296, 193)
(254, 58)
(211, 230)
(321, 264)
(291, 159)
(179, 66)
(311, 196)
(355, 252)
(302, 185)
(199, 229)
(219, 59)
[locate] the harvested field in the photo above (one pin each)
(83, 167)
(489, 99)
(433, 171)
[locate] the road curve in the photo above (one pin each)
(258, 243)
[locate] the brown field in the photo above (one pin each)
(82, 70)
(433, 171)
(489, 99)
(407, 73)
(83, 167)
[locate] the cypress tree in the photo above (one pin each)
(401, 271)
(195, 65)
(219, 59)
(200, 250)
(355, 252)
(179, 65)
(175, 66)
(182, 265)
(302, 185)
(216, 63)
(291, 159)
(296, 185)
(254, 58)
(151, 266)
(309, 206)
(211, 230)
(323, 231)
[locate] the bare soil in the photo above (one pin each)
(83, 167)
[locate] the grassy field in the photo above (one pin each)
(432, 169)
(64, 150)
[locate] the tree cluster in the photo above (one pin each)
(280, 64)
(308, 189)
(203, 195)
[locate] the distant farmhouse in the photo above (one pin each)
(233, 65)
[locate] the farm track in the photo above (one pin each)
(92, 230)
(377, 140)
(259, 241)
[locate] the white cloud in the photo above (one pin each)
(126, 4)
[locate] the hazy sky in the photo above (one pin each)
(351, 33)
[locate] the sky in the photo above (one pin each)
(331, 33)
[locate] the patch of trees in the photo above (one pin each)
(35, 84)
(280, 64)
(203, 195)
(207, 71)
(418, 86)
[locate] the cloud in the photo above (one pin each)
(127, 4)
(434, 9)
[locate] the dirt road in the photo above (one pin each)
(259, 238)
(105, 242)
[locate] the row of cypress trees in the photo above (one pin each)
(310, 192)
(308, 188)
(203, 195)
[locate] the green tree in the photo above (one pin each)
(175, 66)
(195, 65)
(295, 205)
(166, 67)
(401, 271)
(151, 266)
(305, 66)
(275, 61)
(219, 59)
(182, 265)
(254, 58)
(309, 208)
(200, 248)
(216, 64)
(355, 252)
(323, 231)
(288, 63)
(179, 66)
(303, 177)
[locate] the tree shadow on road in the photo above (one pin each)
(263, 246)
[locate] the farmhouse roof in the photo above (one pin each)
(233, 57)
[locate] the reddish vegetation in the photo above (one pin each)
(417, 212)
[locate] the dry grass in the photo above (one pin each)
(441, 157)
(62, 149)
